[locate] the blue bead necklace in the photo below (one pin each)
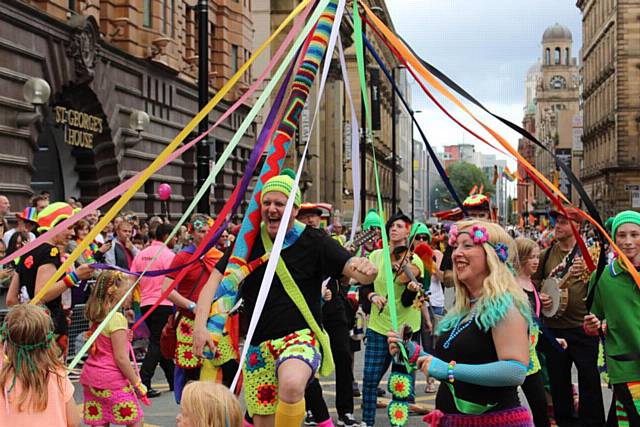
(458, 329)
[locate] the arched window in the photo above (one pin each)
(567, 56)
(547, 56)
(556, 56)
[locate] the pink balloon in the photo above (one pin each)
(164, 191)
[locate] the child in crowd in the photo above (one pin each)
(33, 379)
(208, 404)
(111, 385)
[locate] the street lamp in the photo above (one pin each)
(202, 150)
(394, 151)
(36, 91)
(413, 113)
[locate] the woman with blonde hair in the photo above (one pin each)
(482, 350)
(208, 404)
(33, 380)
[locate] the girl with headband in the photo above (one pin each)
(34, 383)
(614, 313)
(482, 351)
(111, 385)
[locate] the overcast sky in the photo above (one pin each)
(486, 46)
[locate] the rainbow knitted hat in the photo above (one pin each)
(283, 183)
(28, 214)
(624, 217)
(56, 212)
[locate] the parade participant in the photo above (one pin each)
(563, 259)
(5, 206)
(432, 312)
(526, 264)
(616, 301)
(335, 322)
(482, 351)
(34, 382)
(26, 221)
(184, 296)
(478, 206)
(372, 221)
(40, 202)
(93, 253)
(337, 232)
(207, 404)
(36, 267)
(377, 357)
(111, 386)
(157, 256)
(122, 250)
(288, 344)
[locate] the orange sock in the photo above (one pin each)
(290, 414)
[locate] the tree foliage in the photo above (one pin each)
(463, 176)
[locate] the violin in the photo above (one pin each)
(401, 256)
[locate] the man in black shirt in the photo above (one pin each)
(37, 267)
(284, 352)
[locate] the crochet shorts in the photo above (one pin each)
(103, 406)
(261, 366)
(184, 356)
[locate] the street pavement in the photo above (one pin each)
(163, 410)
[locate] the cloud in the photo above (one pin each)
(486, 46)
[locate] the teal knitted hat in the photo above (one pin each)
(283, 183)
(372, 220)
(419, 228)
(624, 217)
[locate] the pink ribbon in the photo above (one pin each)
(120, 189)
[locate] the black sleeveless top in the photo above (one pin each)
(474, 347)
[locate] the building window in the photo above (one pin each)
(73, 4)
(234, 58)
(547, 56)
(168, 20)
(567, 56)
(556, 56)
(146, 13)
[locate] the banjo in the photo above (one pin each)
(555, 287)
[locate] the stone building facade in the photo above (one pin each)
(611, 78)
(105, 60)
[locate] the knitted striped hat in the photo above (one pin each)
(28, 214)
(624, 217)
(283, 183)
(50, 216)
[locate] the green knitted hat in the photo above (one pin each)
(419, 228)
(283, 183)
(624, 217)
(372, 220)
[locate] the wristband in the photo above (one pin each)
(416, 349)
(450, 374)
(191, 307)
(71, 279)
(371, 295)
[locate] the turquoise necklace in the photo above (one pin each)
(457, 330)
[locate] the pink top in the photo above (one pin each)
(100, 370)
(151, 287)
(59, 390)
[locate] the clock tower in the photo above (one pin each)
(557, 105)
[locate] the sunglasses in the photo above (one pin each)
(422, 237)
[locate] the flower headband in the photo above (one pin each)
(199, 224)
(480, 236)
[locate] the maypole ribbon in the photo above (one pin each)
(275, 250)
(231, 206)
(303, 79)
(121, 188)
(402, 50)
(355, 144)
(434, 157)
(202, 115)
(357, 35)
(265, 94)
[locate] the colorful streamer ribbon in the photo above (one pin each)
(303, 79)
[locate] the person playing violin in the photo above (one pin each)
(377, 357)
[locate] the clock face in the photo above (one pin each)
(557, 82)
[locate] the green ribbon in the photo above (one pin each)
(391, 298)
(293, 291)
(466, 407)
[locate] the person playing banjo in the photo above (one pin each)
(563, 262)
